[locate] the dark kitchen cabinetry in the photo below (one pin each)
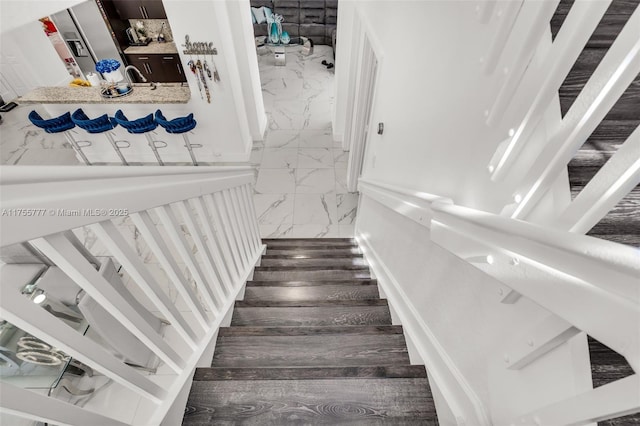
(143, 9)
(158, 68)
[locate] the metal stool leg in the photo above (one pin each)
(152, 145)
(77, 148)
(116, 148)
(190, 148)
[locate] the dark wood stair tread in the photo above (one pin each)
(274, 283)
(308, 351)
(311, 316)
(306, 373)
(310, 268)
(309, 331)
(317, 262)
(313, 251)
(278, 402)
(322, 292)
(311, 274)
(308, 303)
(311, 255)
(309, 241)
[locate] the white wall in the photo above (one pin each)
(222, 124)
(243, 38)
(431, 97)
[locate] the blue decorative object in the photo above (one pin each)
(273, 34)
(107, 65)
(284, 38)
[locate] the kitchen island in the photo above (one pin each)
(171, 98)
(143, 93)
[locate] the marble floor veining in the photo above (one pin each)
(23, 143)
(301, 187)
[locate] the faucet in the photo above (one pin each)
(128, 76)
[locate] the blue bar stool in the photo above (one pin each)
(180, 125)
(102, 124)
(61, 124)
(142, 125)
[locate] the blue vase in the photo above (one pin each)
(284, 38)
(273, 35)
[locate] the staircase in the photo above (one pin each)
(311, 343)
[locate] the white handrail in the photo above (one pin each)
(415, 205)
(61, 197)
(603, 274)
(554, 268)
(43, 205)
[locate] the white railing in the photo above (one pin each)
(578, 26)
(197, 225)
(614, 74)
(554, 268)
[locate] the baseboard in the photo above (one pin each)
(463, 402)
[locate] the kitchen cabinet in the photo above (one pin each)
(142, 9)
(158, 68)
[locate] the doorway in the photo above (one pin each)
(360, 115)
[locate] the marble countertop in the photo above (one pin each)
(154, 48)
(165, 93)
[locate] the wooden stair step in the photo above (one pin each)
(277, 402)
(322, 292)
(297, 274)
(326, 254)
(306, 373)
(308, 303)
(342, 262)
(310, 268)
(318, 283)
(309, 331)
(311, 316)
(309, 242)
(308, 351)
(313, 252)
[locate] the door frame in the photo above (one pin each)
(362, 99)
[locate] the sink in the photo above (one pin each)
(117, 91)
(140, 43)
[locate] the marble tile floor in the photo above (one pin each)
(23, 143)
(301, 187)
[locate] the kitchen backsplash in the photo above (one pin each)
(153, 27)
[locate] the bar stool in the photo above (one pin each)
(102, 124)
(61, 124)
(180, 125)
(142, 125)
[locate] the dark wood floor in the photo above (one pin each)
(311, 343)
(622, 224)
